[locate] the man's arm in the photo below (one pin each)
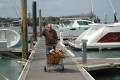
(56, 38)
(42, 33)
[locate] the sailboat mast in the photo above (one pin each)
(112, 6)
(92, 10)
(92, 6)
(115, 18)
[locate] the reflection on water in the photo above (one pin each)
(9, 67)
(96, 53)
(106, 74)
(100, 54)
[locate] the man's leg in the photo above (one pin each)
(48, 50)
(48, 55)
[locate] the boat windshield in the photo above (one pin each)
(92, 30)
(71, 23)
(67, 22)
(84, 22)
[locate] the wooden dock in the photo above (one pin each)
(34, 69)
(74, 68)
(98, 64)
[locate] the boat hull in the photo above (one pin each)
(11, 37)
(103, 37)
(69, 32)
(74, 29)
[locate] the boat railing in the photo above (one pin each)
(71, 37)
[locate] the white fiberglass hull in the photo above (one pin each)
(70, 31)
(11, 37)
(96, 45)
(74, 29)
(104, 36)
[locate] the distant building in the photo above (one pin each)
(89, 16)
(16, 23)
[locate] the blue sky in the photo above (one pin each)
(62, 7)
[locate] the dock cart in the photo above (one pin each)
(54, 60)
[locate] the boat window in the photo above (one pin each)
(80, 22)
(73, 29)
(84, 22)
(66, 22)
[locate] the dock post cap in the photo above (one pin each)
(84, 40)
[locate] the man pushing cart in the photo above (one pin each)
(51, 42)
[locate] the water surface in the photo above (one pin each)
(100, 54)
(9, 66)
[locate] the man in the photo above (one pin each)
(50, 37)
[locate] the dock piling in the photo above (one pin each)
(84, 51)
(31, 42)
(24, 31)
(34, 20)
(61, 37)
(40, 21)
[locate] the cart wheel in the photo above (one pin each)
(45, 68)
(49, 71)
(63, 68)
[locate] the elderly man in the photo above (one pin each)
(50, 37)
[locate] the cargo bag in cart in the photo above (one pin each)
(54, 60)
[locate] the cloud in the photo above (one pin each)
(61, 7)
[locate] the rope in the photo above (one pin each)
(14, 7)
(112, 6)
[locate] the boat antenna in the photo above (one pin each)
(92, 6)
(92, 9)
(115, 18)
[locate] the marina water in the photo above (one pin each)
(10, 69)
(100, 54)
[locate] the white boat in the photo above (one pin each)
(75, 28)
(10, 37)
(100, 36)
